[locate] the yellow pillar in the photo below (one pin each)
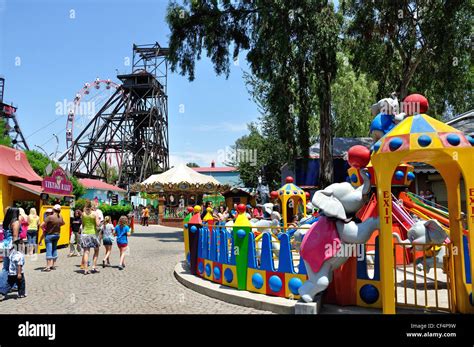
(384, 199)
(383, 174)
(284, 215)
(303, 201)
(4, 195)
(468, 169)
(451, 176)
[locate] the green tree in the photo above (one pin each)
(192, 165)
(5, 140)
(290, 45)
(39, 162)
(414, 46)
(77, 188)
(266, 149)
(352, 96)
(112, 172)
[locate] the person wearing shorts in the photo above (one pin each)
(145, 216)
(74, 242)
(89, 238)
(52, 228)
(107, 234)
(122, 231)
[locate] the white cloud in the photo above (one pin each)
(201, 158)
(223, 126)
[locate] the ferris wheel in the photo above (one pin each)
(86, 104)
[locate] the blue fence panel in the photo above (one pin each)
(266, 260)
(252, 255)
(223, 252)
(205, 253)
(213, 245)
(232, 250)
(467, 261)
(302, 267)
(200, 243)
(285, 261)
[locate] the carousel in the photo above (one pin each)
(177, 188)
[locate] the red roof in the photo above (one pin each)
(15, 164)
(215, 169)
(32, 188)
(90, 183)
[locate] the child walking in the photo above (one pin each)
(107, 234)
(122, 231)
(16, 275)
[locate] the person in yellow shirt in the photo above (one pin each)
(32, 233)
(145, 216)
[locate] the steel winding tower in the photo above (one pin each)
(130, 131)
(12, 127)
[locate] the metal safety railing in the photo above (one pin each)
(426, 283)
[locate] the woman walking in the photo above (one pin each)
(52, 228)
(76, 223)
(11, 232)
(107, 239)
(89, 238)
(32, 233)
(122, 231)
(23, 224)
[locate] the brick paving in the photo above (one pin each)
(147, 285)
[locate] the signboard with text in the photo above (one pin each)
(57, 183)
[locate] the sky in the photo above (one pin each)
(50, 48)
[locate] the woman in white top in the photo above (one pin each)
(107, 235)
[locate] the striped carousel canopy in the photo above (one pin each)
(421, 132)
(290, 189)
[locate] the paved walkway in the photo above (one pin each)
(147, 285)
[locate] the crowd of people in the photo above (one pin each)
(89, 230)
(255, 213)
(222, 214)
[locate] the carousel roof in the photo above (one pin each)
(290, 188)
(181, 174)
(421, 132)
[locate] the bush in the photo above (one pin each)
(108, 210)
(115, 211)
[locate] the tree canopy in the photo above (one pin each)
(317, 71)
(5, 140)
(414, 46)
(39, 162)
(289, 45)
(268, 150)
(111, 172)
